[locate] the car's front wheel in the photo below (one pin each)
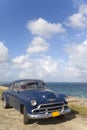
(25, 119)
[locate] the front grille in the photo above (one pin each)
(51, 105)
(48, 108)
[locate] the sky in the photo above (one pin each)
(43, 39)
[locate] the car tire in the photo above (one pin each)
(25, 119)
(5, 104)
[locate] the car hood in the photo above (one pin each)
(42, 96)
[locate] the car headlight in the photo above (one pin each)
(33, 102)
(66, 99)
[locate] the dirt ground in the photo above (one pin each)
(10, 119)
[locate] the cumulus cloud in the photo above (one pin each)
(37, 45)
(77, 65)
(47, 68)
(79, 19)
(44, 28)
(3, 52)
(36, 68)
(5, 65)
(21, 62)
(48, 65)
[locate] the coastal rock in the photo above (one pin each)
(78, 101)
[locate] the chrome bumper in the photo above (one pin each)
(47, 115)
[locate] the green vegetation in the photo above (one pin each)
(1, 90)
(78, 109)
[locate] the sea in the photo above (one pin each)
(70, 89)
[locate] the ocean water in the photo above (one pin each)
(70, 89)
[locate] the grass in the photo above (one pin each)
(78, 109)
(1, 91)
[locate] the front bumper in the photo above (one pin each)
(47, 114)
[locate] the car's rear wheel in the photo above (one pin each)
(25, 119)
(5, 104)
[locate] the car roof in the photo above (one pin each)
(25, 81)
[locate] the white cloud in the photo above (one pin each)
(37, 45)
(44, 67)
(49, 69)
(43, 28)
(79, 19)
(5, 65)
(21, 62)
(77, 65)
(83, 9)
(20, 59)
(3, 52)
(47, 66)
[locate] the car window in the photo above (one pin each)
(41, 85)
(11, 87)
(33, 86)
(16, 87)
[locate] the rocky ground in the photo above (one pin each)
(78, 101)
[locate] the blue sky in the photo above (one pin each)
(43, 39)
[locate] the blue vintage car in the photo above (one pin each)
(33, 99)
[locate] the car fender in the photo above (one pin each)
(5, 96)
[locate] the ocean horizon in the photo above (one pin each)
(77, 89)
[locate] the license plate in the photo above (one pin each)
(56, 113)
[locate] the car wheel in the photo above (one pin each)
(25, 119)
(5, 104)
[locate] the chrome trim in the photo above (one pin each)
(51, 103)
(48, 106)
(47, 115)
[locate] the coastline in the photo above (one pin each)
(78, 105)
(78, 101)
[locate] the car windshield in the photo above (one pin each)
(33, 86)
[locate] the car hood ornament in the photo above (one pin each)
(44, 96)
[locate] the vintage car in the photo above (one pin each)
(33, 99)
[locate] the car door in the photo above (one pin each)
(14, 96)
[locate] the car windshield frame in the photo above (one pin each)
(33, 86)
